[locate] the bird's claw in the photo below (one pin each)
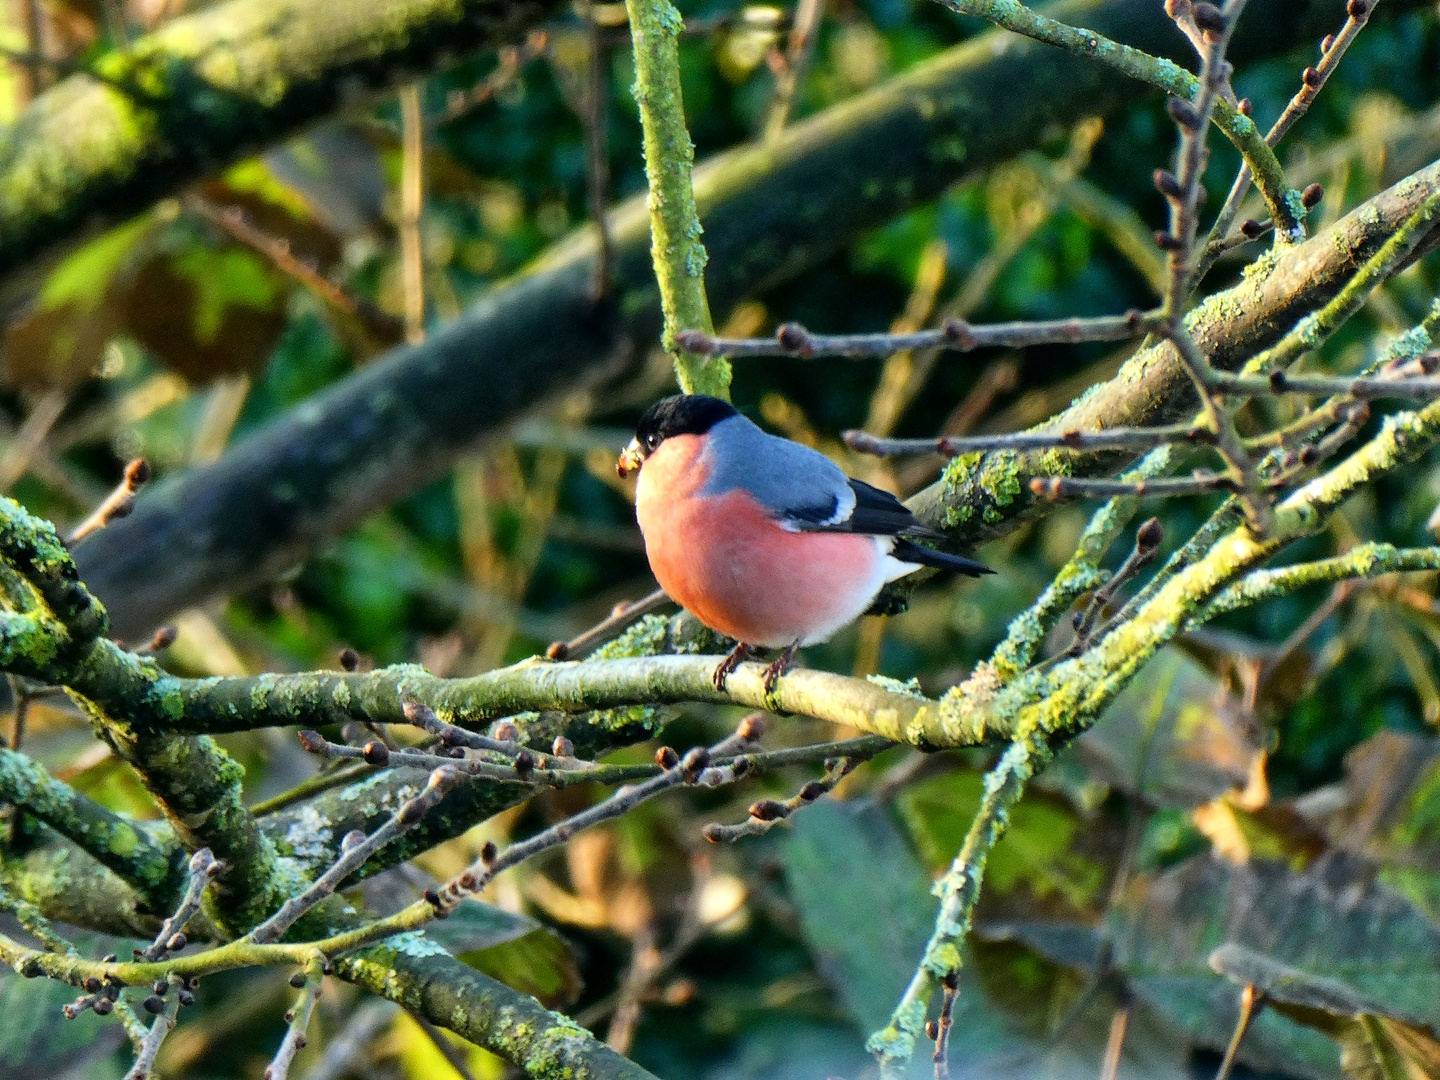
(726, 667)
(771, 676)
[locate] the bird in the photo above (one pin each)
(763, 539)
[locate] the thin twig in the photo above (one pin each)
(1302, 633)
(622, 616)
(1120, 438)
(792, 339)
(950, 984)
(22, 449)
(171, 938)
(1201, 482)
(1417, 387)
(345, 1051)
(1251, 1002)
(355, 850)
(297, 1020)
(765, 814)
(32, 58)
(145, 1060)
(1147, 545)
(118, 504)
(22, 712)
(695, 767)
(1312, 81)
(520, 767)
(511, 59)
(412, 205)
(1115, 1043)
(277, 249)
(799, 46)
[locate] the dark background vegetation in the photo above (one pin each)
(168, 339)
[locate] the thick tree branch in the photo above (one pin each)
(208, 89)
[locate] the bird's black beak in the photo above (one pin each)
(631, 458)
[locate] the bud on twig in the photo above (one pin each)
(1149, 535)
(376, 753)
(768, 810)
(1208, 17)
(1183, 113)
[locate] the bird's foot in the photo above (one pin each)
(773, 671)
(726, 667)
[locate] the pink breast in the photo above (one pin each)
(728, 563)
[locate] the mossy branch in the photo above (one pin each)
(1361, 561)
(420, 976)
(958, 890)
(675, 246)
(206, 89)
(122, 845)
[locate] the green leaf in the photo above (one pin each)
(866, 912)
(539, 963)
(1371, 942)
(475, 926)
(1171, 737)
(1037, 851)
(84, 277)
(1374, 1043)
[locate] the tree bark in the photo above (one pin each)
(207, 90)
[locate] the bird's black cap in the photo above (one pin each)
(682, 414)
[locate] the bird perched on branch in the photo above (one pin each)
(760, 538)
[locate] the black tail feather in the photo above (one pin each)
(911, 552)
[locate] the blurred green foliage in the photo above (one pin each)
(170, 338)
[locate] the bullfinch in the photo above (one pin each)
(761, 538)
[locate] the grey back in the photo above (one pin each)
(798, 485)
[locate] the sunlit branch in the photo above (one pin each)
(792, 339)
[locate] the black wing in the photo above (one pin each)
(876, 513)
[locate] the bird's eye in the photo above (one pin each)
(651, 441)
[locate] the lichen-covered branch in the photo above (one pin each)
(125, 846)
(675, 245)
(506, 1022)
(983, 495)
(1067, 695)
(958, 890)
(1361, 561)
